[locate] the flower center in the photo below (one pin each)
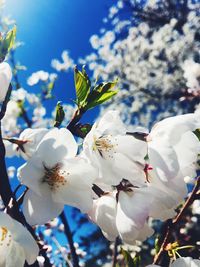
(104, 144)
(5, 237)
(54, 177)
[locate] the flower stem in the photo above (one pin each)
(175, 221)
(114, 261)
(7, 194)
(69, 236)
(5, 188)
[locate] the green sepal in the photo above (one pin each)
(128, 259)
(85, 128)
(137, 261)
(60, 115)
(157, 246)
(82, 86)
(7, 42)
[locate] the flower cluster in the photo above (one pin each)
(120, 179)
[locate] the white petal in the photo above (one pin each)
(187, 150)
(126, 227)
(40, 210)
(133, 148)
(79, 177)
(145, 233)
(10, 149)
(153, 265)
(33, 137)
(163, 159)
(132, 213)
(104, 214)
(16, 256)
(186, 262)
(31, 174)
(162, 203)
(56, 145)
(21, 236)
(125, 168)
(5, 79)
(174, 127)
(111, 123)
(80, 198)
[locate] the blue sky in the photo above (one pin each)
(47, 27)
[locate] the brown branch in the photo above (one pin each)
(6, 193)
(114, 260)
(73, 125)
(175, 221)
(70, 239)
(24, 115)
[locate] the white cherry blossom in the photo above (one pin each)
(26, 144)
(56, 177)
(173, 147)
(30, 138)
(38, 76)
(116, 154)
(5, 79)
(9, 121)
(182, 262)
(16, 243)
(124, 214)
(67, 63)
(192, 74)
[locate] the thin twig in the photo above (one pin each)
(70, 239)
(6, 192)
(115, 252)
(176, 220)
(61, 251)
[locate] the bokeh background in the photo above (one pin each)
(151, 46)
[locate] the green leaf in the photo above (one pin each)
(137, 261)
(157, 246)
(60, 115)
(7, 42)
(82, 85)
(130, 262)
(101, 93)
(127, 257)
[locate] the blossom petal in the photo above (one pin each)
(56, 145)
(16, 256)
(186, 262)
(173, 127)
(31, 174)
(21, 237)
(163, 159)
(111, 123)
(40, 210)
(133, 148)
(76, 190)
(104, 214)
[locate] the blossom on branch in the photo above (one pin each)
(55, 177)
(5, 79)
(16, 243)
